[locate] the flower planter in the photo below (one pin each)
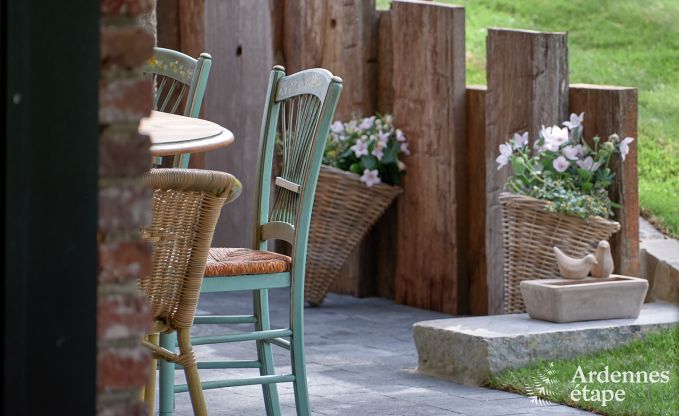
(530, 233)
(562, 300)
(344, 210)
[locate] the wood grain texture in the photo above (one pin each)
(527, 87)
(429, 102)
(340, 36)
(614, 110)
(475, 253)
(385, 63)
(242, 61)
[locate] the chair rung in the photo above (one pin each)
(241, 336)
(238, 382)
(283, 343)
(225, 319)
(208, 365)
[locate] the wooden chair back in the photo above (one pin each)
(185, 206)
(179, 79)
(298, 112)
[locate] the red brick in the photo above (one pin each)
(136, 408)
(125, 46)
(122, 317)
(124, 100)
(123, 261)
(123, 153)
(124, 207)
(125, 7)
(122, 368)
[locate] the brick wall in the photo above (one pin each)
(124, 206)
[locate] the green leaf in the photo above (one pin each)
(369, 162)
(518, 166)
(356, 168)
(585, 174)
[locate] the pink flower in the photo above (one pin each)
(360, 148)
(505, 154)
(337, 127)
(624, 146)
(520, 140)
(572, 152)
(383, 138)
(575, 121)
(367, 123)
(404, 148)
(560, 164)
(370, 177)
(554, 137)
(400, 136)
(378, 151)
(588, 164)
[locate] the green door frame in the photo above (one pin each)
(49, 123)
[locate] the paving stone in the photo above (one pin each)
(469, 350)
(361, 361)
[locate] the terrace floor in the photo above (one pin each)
(361, 361)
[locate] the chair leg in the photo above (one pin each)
(150, 388)
(166, 378)
(297, 359)
(264, 351)
(191, 373)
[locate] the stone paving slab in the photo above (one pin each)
(468, 350)
(361, 361)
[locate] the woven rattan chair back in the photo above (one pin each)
(179, 79)
(186, 205)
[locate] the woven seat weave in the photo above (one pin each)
(241, 261)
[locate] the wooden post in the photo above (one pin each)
(242, 61)
(527, 87)
(614, 110)
(475, 253)
(385, 63)
(429, 102)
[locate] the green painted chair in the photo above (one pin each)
(180, 79)
(299, 109)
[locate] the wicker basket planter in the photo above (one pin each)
(530, 232)
(344, 210)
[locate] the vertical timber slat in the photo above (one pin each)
(385, 63)
(527, 87)
(475, 254)
(614, 110)
(429, 102)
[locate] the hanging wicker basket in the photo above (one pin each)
(530, 232)
(344, 210)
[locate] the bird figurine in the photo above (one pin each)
(572, 268)
(604, 260)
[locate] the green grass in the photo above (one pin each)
(614, 42)
(657, 352)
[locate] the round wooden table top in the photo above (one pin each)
(172, 134)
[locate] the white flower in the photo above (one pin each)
(378, 151)
(505, 153)
(401, 166)
(554, 137)
(588, 164)
(400, 136)
(351, 126)
(624, 146)
(572, 152)
(388, 119)
(575, 121)
(560, 164)
(360, 148)
(383, 138)
(367, 123)
(370, 177)
(520, 140)
(337, 127)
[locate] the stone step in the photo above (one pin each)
(660, 266)
(468, 350)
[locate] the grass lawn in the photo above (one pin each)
(614, 42)
(657, 352)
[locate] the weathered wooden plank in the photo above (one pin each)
(242, 60)
(429, 102)
(527, 87)
(340, 36)
(385, 63)
(475, 253)
(614, 110)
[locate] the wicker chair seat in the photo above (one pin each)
(243, 261)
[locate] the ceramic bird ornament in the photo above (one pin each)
(604, 260)
(572, 268)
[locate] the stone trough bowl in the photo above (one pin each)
(564, 300)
